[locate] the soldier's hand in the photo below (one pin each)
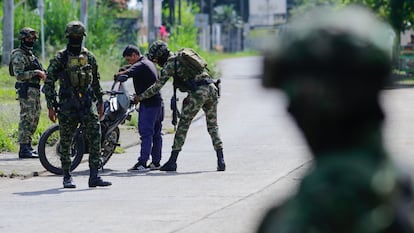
(100, 110)
(52, 115)
(136, 99)
(41, 74)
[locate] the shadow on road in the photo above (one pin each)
(53, 191)
(151, 173)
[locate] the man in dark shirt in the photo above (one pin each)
(151, 110)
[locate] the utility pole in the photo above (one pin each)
(8, 31)
(179, 16)
(172, 13)
(151, 28)
(84, 13)
(40, 5)
(210, 22)
(242, 17)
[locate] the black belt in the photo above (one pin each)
(26, 85)
(22, 88)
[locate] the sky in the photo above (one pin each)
(133, 4)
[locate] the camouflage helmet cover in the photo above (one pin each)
(27, 32)
(157, 50)
(75, 28)
(331, 44)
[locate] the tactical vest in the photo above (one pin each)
(34, 64)
(79, 71)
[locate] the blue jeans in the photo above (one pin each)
(149, 127)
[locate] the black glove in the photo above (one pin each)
(122, 78)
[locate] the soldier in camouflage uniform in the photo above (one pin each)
(28, 72)
(79, 89)
(204, 96)
(332, 68)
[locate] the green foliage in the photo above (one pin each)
(5, 79)
(227, 16)
(184, 35)
(102, 32)
(8, 127)
(133, 122)
(55, 23)
(7, 95)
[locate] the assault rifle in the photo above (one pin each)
(173, 105)
(38, 65)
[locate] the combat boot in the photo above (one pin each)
(171, 164)
(221, 165)
(34, 152)
(95, 180)
(25, 153)
(67, 181)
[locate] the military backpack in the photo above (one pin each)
(35, 64)
(191, 64)
(11, 70)
(188, 64)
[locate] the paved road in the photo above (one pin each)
(265, 154)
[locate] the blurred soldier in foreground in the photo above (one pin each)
(28, 71)
(79, 90)
(332, 69)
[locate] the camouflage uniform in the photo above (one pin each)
(76, 70)
(332, 71)
(204, 97)
(76, 104)
(24, 63)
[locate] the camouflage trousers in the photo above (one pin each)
(206, 98)
(29, 115)
(68, 125)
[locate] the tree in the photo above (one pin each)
(227, 16)
(8, 27)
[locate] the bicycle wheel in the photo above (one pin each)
(108, 146)
(49, 150)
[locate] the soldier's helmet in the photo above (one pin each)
(158, 49)
(75, 28)
(27, 32)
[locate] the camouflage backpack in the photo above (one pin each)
(191, 63)
(11, 70)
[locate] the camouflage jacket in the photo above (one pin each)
(343, 193)
(171, 68)
(24, 64)
(57, 70)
